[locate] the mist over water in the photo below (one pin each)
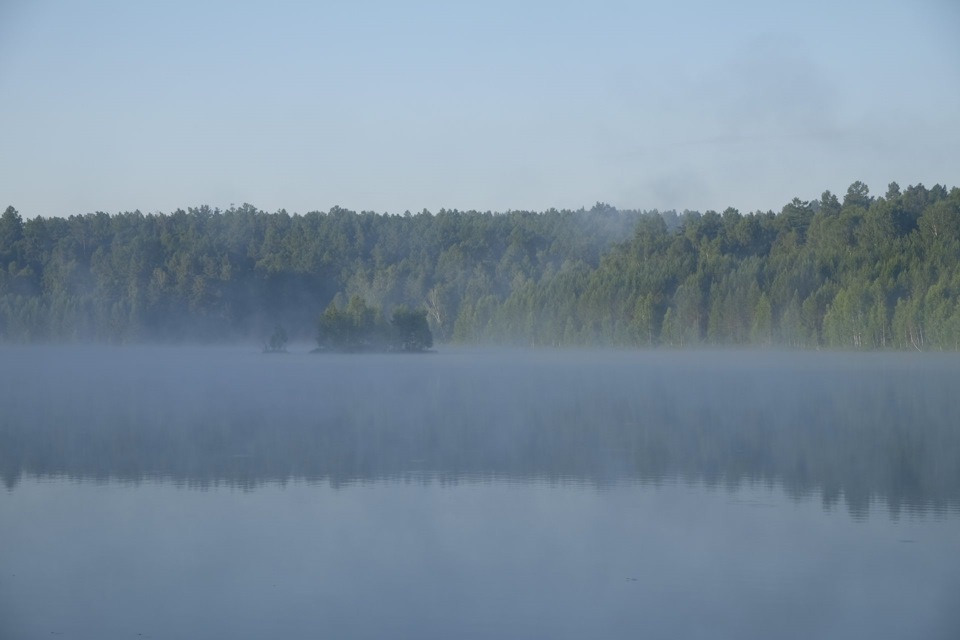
(478, 493)
(851, 429)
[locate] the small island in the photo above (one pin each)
(358, 327)
(277, 342)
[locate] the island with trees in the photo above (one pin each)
(855, 271)
(277, 342)
(358, 327)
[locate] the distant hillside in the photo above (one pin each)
(862, 273)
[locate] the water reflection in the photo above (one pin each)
(853, 430)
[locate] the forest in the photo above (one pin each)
(852, 272)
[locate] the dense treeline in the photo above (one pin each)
(862, 272)
(209, 275)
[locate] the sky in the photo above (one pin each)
(496, 105)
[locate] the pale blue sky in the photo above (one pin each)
(497, 105)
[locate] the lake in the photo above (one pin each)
(224, 493)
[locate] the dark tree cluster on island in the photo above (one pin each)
(358, 327)
(857, 272)
(277, 342)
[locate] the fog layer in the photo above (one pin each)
(848, 429)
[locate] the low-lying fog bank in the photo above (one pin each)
(850, 427)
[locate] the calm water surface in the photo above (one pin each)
(223, 493)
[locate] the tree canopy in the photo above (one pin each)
(359, 327)
(861, 272)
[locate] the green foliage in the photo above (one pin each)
(359, 327)
(870, 273)
(11, 235)
(410, 331)
(761, 332)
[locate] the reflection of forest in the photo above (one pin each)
(854, 434)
